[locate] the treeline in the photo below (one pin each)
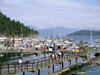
(85, 33)
(10, 27)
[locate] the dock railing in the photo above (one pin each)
(33, 65)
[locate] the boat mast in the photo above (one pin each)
(91, 36)
(60, 34)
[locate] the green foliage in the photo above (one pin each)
(12, 27)
(85, 33)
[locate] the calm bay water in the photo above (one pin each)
(86, 38)
(90, 69)
(81, 68)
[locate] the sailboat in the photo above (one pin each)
(97, 40)
(91, 44)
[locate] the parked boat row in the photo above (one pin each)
(33, 44)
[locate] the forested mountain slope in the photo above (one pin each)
(12, 27)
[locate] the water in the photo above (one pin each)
(9, 57)
(86, 38)
(81, 68)
(90, 69)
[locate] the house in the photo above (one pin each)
(3, 40)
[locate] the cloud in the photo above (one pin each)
(90, 26)
(78, 25)
(53, 13)
(94, 21)
(53, 23)
(31, 24)
(97, 8)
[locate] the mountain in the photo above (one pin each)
(33, 27)
(57, 32)
(62, 31)
(85, 33)
(54, 32)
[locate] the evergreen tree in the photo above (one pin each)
(12, 27)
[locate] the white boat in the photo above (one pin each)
(97, 40)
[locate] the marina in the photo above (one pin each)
(49, 37)
(47, 60)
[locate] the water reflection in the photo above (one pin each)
(9, 56)
(91, 69)
(16, 56)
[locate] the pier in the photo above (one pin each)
(37, 64)
(24, 52)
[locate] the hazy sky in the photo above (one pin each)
(54, 13)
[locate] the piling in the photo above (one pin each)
(83, 58)
(0, 68)
(69, 63)
(23, 73)
(39, 72)
(33, 72)
(53, 68)
(76, 60)
(60, 66)
(48, 69)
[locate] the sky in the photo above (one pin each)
(54, 13)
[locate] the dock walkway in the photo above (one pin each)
(13, 67)
(36, 64)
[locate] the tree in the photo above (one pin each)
(13, 27)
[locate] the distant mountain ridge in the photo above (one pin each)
(62, 31)
(54, 32)
(33, 27)
(85, 33)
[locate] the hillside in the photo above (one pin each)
(85, 33)
(10, 27)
